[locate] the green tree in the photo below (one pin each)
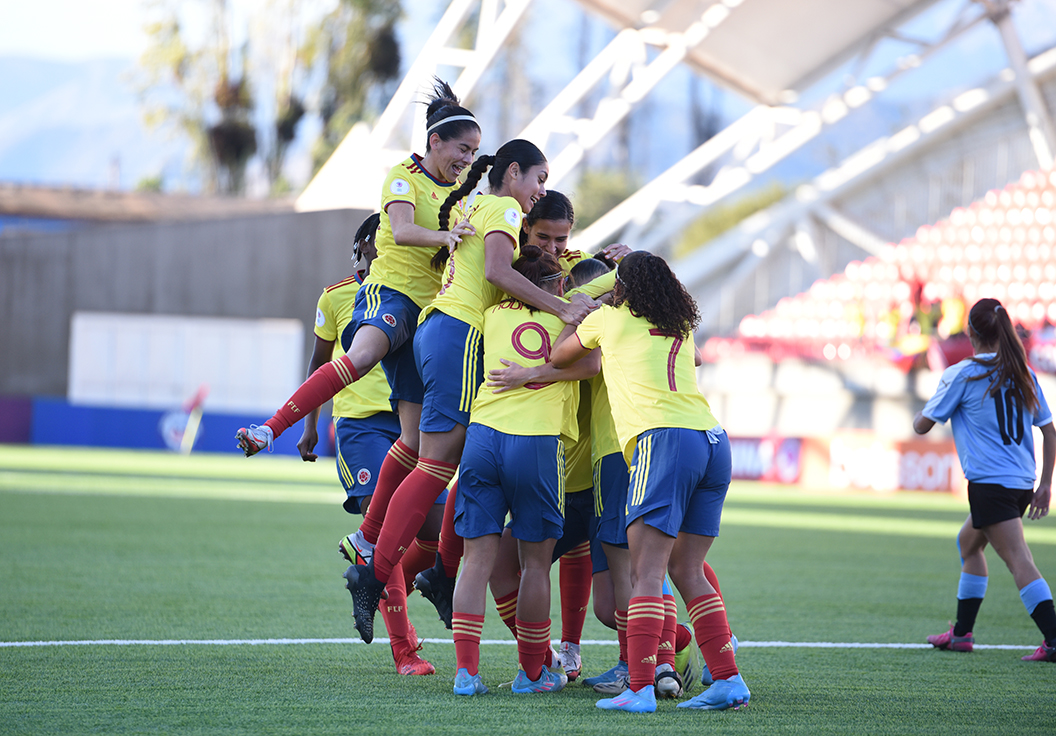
(599, 190)
(722, 217)
(356, 44)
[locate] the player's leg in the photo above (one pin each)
(468, 618)
(505, 581)
(971, 589)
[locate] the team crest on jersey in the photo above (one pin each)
(399, 186)
(513, 217)
(363, 476)
(389, 320)
(320, 318)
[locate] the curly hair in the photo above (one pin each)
(646, 284)
(443, 104)
(524, 153)
(990, 323)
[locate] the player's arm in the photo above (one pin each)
(515, 375)
(568, 350)
(321, 354)
(499, 271)
(405, 232)
(1039, 504)
(921, 424)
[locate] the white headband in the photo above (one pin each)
(450, 119)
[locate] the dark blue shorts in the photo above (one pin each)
(396, 315)
(361, 448)
(679, 478)
(504, 473)
(610, 499)
(450, 359)
(581, 525)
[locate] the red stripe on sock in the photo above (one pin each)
(712, 632)
(665, 653)
(507, 608)
(533, 642)
(465, 630)
(645, 624)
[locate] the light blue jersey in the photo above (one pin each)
(993, 434)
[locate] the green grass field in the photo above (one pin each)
(103, 545)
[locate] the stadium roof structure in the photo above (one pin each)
(769, 51)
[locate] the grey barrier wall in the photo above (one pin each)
(265, 266)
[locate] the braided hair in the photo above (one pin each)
(367, 230)
(524, 153)
(443, 104)
(991, 325)
(646, 284)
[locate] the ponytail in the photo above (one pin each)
(991, 325)
(539, 267)
(476, 172)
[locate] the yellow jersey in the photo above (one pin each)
(603, 439)
(513, 332)
(650, 375)
(407, 268)
(370, 394)
(569, 258)
(465, 292)
(579, 470)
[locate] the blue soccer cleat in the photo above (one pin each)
(722, 694)
(467, 684)
(548, 682)
(629, 701)
(616, 673)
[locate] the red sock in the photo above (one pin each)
(708, 615)
(575, 577)
(450, 543)
(420, 556)
(466, 629)
(712, 578)
(665, 653)
(645, 623)
(394, 611)
(413, 498)
(507, 608)
(398, 464)
(320, 387)
(621, 633)
(682, 638)
(533, 642)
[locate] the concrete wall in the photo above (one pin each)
(256, 267)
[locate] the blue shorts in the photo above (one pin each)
(450, 359)
(504, 473)
(679, 478)
(395, 314)
(580, 523)
(361, 448)
(610, 499)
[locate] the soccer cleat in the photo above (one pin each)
(467, 684)
(614, 687)
(570, 660)
(1044, 653)
(643, 701)
(367, 591)
(705, 674)
(687, 661)
(620, 670)
(668, 683)
(255, 439)
(438, 589)
(947, 640)
(548, 682)
(409, 663)
(356, 549)
(723, 694)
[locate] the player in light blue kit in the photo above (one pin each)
(993, 401)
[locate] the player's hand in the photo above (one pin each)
(307, 443)
(616, 251)
(512, 376)
(1039, 504)
(579, 307)
(461, 230)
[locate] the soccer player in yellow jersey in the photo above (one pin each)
(514, 463)
(549, 226)
(447, 350)
(365, 427)
(679, 458)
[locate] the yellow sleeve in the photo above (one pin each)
(590, 329)
(601, 285)
(325, 321)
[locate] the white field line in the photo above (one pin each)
(506, 642)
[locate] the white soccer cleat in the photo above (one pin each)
(255, 439)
